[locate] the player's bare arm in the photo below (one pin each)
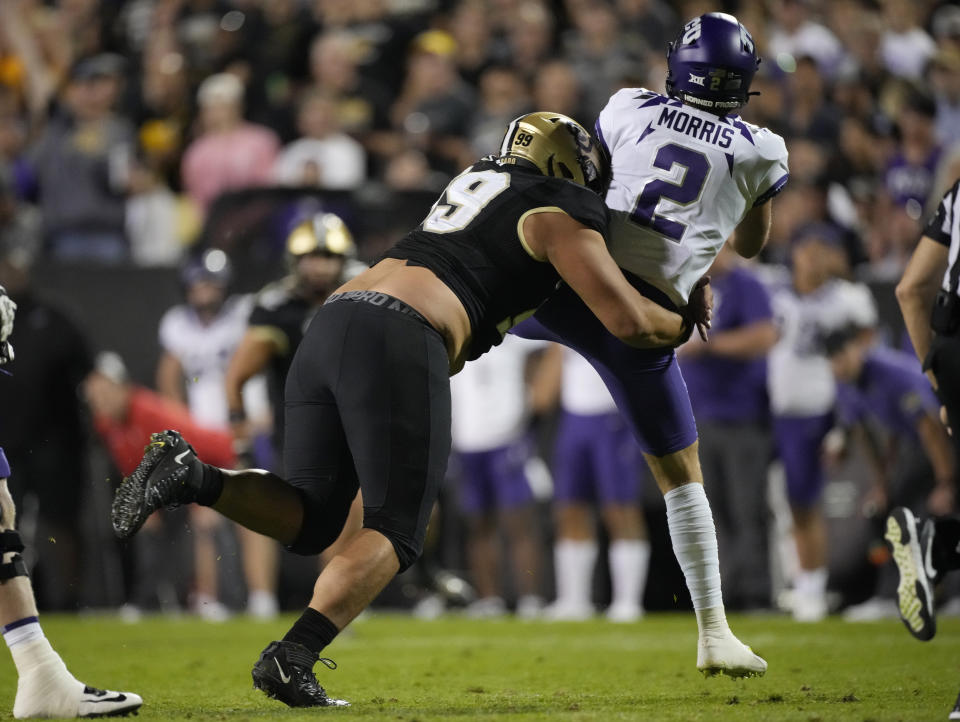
(751, 234)
(580, 256)
(253, 354)
(918, 289)
(170, 377)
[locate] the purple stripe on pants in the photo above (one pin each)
(4, 465)
(494, 479)
(596, 459)
(799, 439)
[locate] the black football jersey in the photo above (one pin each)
(284, 315)
(472, 241)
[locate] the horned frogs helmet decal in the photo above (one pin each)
(557, 146)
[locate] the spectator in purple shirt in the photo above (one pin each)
(726, 377)
(886, 388)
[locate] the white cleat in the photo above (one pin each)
(64, 696)
(728, 655)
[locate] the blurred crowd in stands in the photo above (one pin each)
(133, 133)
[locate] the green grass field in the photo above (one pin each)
(396, 668)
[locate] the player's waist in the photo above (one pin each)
(376, 298)
(650, 291)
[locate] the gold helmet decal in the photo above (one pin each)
(557, 146)
(321, 233)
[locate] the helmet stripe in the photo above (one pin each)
(508, 136)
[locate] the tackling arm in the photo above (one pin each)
(581, 258)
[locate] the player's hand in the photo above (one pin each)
(7, 311)
(875, 502)
(941, 499)
(700, 306)
(944, 419)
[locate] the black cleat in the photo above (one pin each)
(955, 712)
(285, 672)
(168, 475)
(912, 546)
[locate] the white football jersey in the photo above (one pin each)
(489, 397)
(204, 352)
(582, 391)
(683, 179)
(800, 381)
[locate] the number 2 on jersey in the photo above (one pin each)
(463, 199)
(695, 169)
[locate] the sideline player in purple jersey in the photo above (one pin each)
(887, 386)
(687, 173)
(45, 687)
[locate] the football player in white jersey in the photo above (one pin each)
(809, 302)
(197, 339)
(687, 173)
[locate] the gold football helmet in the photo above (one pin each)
(323, 233)
(557, 146)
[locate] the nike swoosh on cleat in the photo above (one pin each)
(179, 457)
(118, 698)
(284, 677)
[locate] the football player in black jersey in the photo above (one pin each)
(368, 396)
(320, 251)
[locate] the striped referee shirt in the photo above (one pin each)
(944, 228)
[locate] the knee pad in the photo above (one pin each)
(10, 542)
(323, 520)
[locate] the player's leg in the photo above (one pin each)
(45, 687)
(799, 441)
(477, 503)
(744, 456)
(204, 523)
(261, 561)
(393, 394)
(575, 548)
(615, 459)
(649, 390)
(517, 514)
(695, 545)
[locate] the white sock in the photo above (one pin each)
(21, 632)
(573, 567)
(811, 582)
(694, 540)
(629, 562)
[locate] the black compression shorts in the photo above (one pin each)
(368, 406)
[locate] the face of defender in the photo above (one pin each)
(318, 273)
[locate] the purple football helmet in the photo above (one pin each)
(711, 63)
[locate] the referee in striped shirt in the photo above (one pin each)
(925, 549)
